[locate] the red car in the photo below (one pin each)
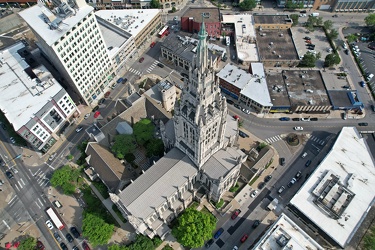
(308, 41)
(244, 238)
(236, 117)
(107, 94)
(97, 113)
(235, 214)
(39, 245)
(141, 59)
(152, 44)
(85, 246)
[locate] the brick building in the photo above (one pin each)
(191, 21)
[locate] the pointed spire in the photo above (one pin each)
(202, 47)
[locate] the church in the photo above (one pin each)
(203, 160)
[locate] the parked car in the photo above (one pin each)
(284, 119)
(125, 80)
(261, 185)
(298, 128)
(52, 156)
(307, 38)
(209, 243)
(87, 115)
(63, 246)
(362, 83)
(218, 233)
(95, 108)
(85, 246)
(230, 101)
(75, 232)
(308, 41)
(291, 183)
(256, 224)
(12, 140)
(304, 155)
(69, 237)
(243, 134)
(235, 214)
(9, 175)
(298, 175)
(281, 189)
(268, 178)
(49, 224)
(75, 248)
(152, 44)
(244, 238)
(253, 194)
(160, 65)
(141, 59)
(39, 245)
(373, 107)
(97, 113)
(101, 101)
(236, 117)
(308, 163)
(363, 124)
(2, 163)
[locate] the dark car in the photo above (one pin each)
(160, 65)
(57, 236)
(282, 161)
(314, 119)
(261, 185)
(243, 134)
(75, 248)
(268, 178)
(185, 75)
(141, 59)
(3, 126)
(120, 80)
(101, 101)
(235, 214)
(39, 245)
(373, 107)
(125, 80)
(244, 238)
(362, 83)
(295, 119)
(307, 38)
(85, 246)
(230, 101)
(303, 11)
(106, 95)
(308, 163)
(284, 119)
(256, 223)
(346, 51)
(346, 87)
(63, 246)
(218, 233)
(209, 243)
(2, 163)
(95, 108)
(9, 175)
(69, 237)
(363, 124)
(75, 232)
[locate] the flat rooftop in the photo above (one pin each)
(277, 90)
(305, 87)
(26, 90)
(132, 21)
(271, 19)
(284, 233)
(338, 194)
(276, 45)
(113, 38)
(344, 98)
(38, 16)
(211, 14)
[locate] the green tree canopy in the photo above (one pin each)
(328, 24)
(124, 144)
(143, 131)
(155, 147)
(65, 178)
(247, 5)
(28, 243)
(351, 38)
(333, 34)
(96, 229)
(370, 21)
(294, 17)
(332, 59)
(194, 228)
(308, 60)
(118, 247)
(155, 4)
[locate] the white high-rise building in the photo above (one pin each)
(69, 36)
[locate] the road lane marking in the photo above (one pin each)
(12, 199)
(23, 182)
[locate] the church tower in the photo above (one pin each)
(200, 115)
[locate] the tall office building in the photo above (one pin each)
(69, 36)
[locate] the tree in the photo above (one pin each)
(332, 59)
(308, 60)
(294, 17)
(351, 38)
(155, 4)
(370, 21)
(194, 228)
(28, 243)
(96, 229)
(118, 247)
(124, 144)
(173, 9)
(328, 24)
(65, 178)
(333, 34)
(319, 21)
(143, 131)
(247, 5)
(155, 147)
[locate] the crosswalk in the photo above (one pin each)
(317, 140)
(148, 70)
(41, 178)
(272, 139)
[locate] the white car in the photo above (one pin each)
(235, 248)
(87, 115)
(79, 129)
(298, 128)
(12, 140)
(253, 194)
(49, 224)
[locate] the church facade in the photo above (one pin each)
(203, 160)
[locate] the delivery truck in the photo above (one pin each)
(314, 14)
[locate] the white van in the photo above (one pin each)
(370, 76)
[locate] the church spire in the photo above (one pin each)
(202, 47)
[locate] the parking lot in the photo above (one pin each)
(318, 38)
